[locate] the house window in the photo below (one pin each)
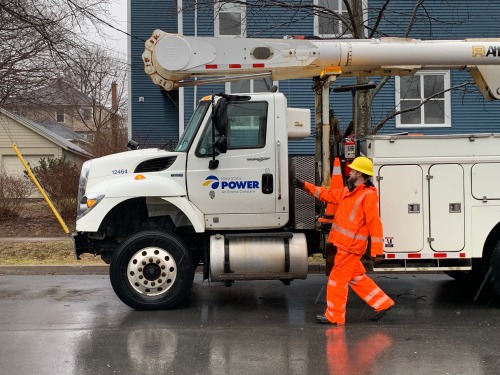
(60, 115)
(326, 25)
(89, 137)
(229, 19)
(412, 90)
(86, 114)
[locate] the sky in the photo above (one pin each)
(115, 41)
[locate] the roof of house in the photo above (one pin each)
(46, 133)
(61, 130)
(58, 92)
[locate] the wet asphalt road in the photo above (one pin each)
(76, 325)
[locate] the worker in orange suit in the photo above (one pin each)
(356, 220)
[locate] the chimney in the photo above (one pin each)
(114, 115)
(114, 97)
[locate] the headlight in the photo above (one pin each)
(84, 174)
(87, 203)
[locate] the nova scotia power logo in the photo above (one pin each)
(211, 180)
(231, 184)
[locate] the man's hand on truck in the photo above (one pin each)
(299, 184)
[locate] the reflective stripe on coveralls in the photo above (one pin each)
(348, 270)
(356, 219)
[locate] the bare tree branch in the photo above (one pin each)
(413, 17)
(378, 20)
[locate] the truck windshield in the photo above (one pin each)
(192, 127)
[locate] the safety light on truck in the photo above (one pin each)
(88, 202)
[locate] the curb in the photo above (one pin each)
(88, 269)
(55, 270)
(34, 239)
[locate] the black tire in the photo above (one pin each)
(152, 270)
(495, 267)
(473, 277)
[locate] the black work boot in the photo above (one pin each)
(378, 315)
(321, 319)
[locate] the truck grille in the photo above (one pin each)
(302, 205)
(155, 165)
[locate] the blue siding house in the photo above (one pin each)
(159, 117)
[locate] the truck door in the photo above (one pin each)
(446, 207)
(401, 208)
(241, 192)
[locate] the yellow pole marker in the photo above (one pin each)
(28, 169)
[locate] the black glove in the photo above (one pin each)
(299, 184)
(378, 258)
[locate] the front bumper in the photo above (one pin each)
(81, 244)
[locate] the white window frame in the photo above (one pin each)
(341, 8)
(447, 101)
(218, 5)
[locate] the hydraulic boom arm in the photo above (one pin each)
(172, 60)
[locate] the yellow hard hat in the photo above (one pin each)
(362, 164)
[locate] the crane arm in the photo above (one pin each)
(174, 60)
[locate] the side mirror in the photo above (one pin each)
(219, 123)
(220, 119)
(221, 144)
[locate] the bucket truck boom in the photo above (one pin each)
(171, 59)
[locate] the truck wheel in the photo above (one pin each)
(495, 267)
(152, 270)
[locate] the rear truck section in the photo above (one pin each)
(440, 203)
(222, 200)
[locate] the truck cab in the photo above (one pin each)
(229, 173)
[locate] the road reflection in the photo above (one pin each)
(360, 358)
(266, 329)
(144, 345)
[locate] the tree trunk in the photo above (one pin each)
(363, 97)
(363, 110)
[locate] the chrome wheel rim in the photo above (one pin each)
(152, 271)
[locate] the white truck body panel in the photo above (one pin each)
(431, 194)
(446, 207)
(402, 199)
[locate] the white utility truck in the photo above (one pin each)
(224, 197)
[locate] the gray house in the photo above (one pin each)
(158, 117)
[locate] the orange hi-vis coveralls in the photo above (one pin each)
(356, 220)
